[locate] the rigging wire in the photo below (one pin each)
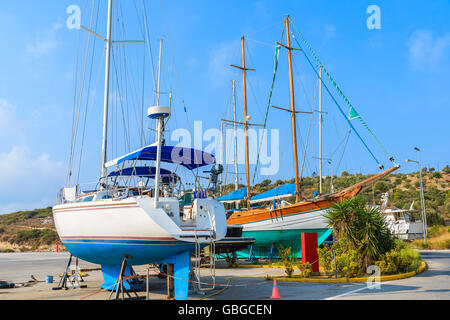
(339, 107)
(175, 67)
(80, 96)
(88, 96)
(277, 51)
(343, 96)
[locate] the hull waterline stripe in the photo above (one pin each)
(120, 238)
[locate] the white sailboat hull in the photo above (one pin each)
(304, 220)
(104, 231)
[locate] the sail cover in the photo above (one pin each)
(283, 191)
(187, 157)
(234, 196)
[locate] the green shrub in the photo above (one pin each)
(306, 269)
(403, 258)
(348, 260)
(287, 259)
(35, 237)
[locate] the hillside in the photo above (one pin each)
(403, 190)
(28, 231)
(35, 230)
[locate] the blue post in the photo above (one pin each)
(181, 274)
(270, 257)
(251, 256)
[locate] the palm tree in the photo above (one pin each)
(364, 228)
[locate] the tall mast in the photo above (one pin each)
(320, 130)
(221, 152)
(236, 182)
(159, 72)
(244, 86)
(103, 172)
(294, 129)
(159, 129)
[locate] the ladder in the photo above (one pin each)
(205, 259)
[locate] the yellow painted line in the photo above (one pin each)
(422, 268)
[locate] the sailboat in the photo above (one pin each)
(129, 219)
(280, 222)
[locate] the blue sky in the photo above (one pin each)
(396, 77)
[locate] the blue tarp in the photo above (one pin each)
(234, 196)
(278, 192)
(187, 157)
(146, 172)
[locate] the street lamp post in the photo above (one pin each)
(422, 198)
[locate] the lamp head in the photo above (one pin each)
(417, 149)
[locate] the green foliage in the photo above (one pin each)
(436, 175)
(381, 187)
(265, 183)
(403, 258)
(344, 174)
(35, 237)
(348, 259)
(19, 216)
(306, 269)
(287, 259)
(364, 229)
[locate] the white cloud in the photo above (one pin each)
(28, 178)
(44, 43)
(221, 58)
(329, 33)
(426, 51)
(11, 128)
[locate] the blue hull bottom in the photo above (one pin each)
(113, 253)
(110, 255)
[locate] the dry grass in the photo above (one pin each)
(439, 238)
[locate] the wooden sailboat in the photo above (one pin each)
(274, 226)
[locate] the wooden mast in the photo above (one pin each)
(294, 128)
(246, 118)
(244, 86)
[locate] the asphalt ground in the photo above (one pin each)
(231, 283)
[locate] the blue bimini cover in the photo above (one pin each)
(234, 196)
(145, 172)
(187, 157)
(283, 191)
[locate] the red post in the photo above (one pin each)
(309, 250)
(57, 249)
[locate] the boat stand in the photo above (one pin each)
(251, 256)
(270, 257)
(74, 278)
(118, 286)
